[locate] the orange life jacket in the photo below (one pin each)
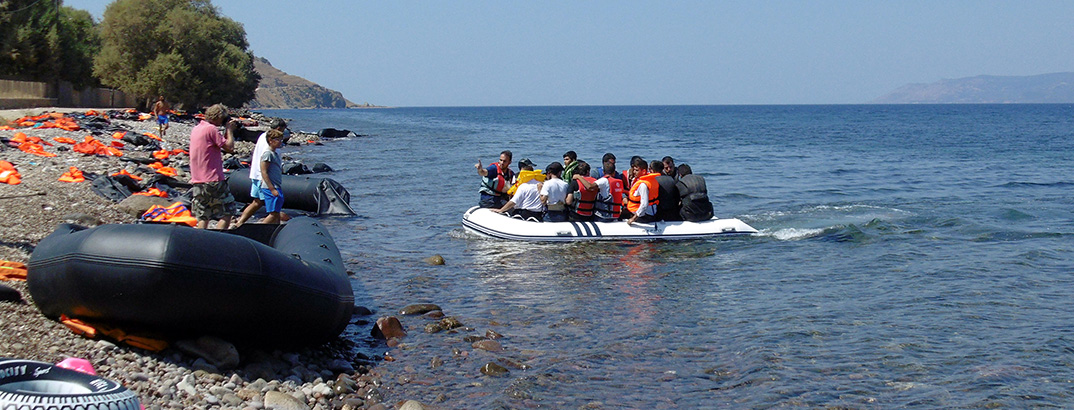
(174, 213)
(124, 172)
(72, 175)
(8, 174)
(12, 270)
(586, 199)
(614, 204)
(153, 192)
(94, 330)
(634, 200)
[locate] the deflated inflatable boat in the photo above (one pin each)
(486, 222)
(321, 196)
(279, 284)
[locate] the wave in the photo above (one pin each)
(1016, 184)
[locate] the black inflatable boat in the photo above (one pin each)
(277, 284)
(318, 195)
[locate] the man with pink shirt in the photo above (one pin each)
(212, 199)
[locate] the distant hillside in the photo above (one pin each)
(987, 89)
(281, 90)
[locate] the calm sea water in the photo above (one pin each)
(910, 257)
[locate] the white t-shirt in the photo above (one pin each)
(555, 189)
(527, 197)
(255, 159)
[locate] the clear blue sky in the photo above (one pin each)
(505, 52)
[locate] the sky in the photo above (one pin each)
(595, 52)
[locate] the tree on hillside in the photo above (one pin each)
(45, 41)
(181, 49)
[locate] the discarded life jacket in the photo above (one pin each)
(65, 140)
(612, 205)
(634, 201)
(12, 270)
(72, 175)
(161, 169)
(585, 200)
(174, 213)
(91, 146)
(152, 192)
(95, 330)
(8, 174)
(525, 176)
(124, 172)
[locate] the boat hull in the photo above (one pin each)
(182, 281)
(485, 222)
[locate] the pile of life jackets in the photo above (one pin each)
(92, 146)
(32, 145)
(161, 169)
(48, 120)
(8, 174)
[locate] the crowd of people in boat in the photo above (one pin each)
(574, 191)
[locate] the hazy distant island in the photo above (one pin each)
(987, 89)
(278, 89)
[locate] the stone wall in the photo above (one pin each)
(29, 94)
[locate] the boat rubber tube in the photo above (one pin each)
(180, 281)
(321, 196)
(31, 385)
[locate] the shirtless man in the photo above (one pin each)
(160, 109)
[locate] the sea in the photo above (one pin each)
(909, 256)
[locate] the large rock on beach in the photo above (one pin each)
(136, 205)
(215, 351)
(388, 327)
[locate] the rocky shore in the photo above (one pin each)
(192, 374)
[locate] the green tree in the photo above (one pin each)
(182, 49)
(45, 41)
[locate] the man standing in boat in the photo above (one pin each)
(496, 179)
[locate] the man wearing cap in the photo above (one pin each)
(527, 199)
(256, 201)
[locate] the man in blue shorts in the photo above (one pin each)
(160, 109)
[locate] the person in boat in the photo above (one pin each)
(160, 109)
(642, 199)
(599, 172)
(570, 165)
(495, 181)
(667, 193)
(211, 197)
(272, 174)
(669, 166)
(693, 196)
(526, 201)
(554, 194)
(638, 167)
(582, 193)
(260, 147)
(609, 204)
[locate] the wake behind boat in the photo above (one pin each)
(486, 222)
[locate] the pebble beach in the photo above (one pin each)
(190, 374)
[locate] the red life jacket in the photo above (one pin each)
(586, 200)
(613, 204)
(500, 185)
(634, 201)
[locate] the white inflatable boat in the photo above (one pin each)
(486, 222)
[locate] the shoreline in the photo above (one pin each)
(326, 376)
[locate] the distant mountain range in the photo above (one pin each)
(281, 90)
(987, 89)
